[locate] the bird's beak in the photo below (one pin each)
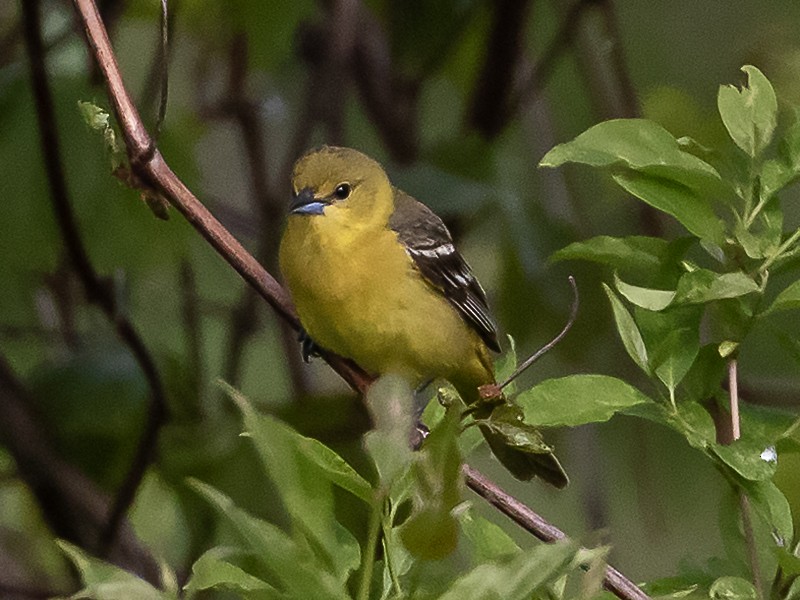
(305, 203)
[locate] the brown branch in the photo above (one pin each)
(98, 291)
(152, 168)
(614, 581)
(389, 97)
(490, 107)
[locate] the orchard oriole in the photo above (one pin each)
(376, 278)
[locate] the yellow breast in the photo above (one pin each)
(358, 294)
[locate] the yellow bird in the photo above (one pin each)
(376, 278)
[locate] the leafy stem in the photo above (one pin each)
(368, 560)
(779, 253)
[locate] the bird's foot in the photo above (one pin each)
(308, 347)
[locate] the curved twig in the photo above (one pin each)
(573, 313)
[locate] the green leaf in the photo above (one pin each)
(789, 563)
(695, 424)
(518, 578)
(701, 286)
(703, 380)
(675, 355)
(732, 588)
(692, 210)
(213, 570)
(507, 421)
(762, 237)
(634, 253)
(506, 365)
(789, 149)
(788, 299)
(628, 331)
(336, 468)
(772, 505)
(390, 401)
(294, 566)
(673, 588)
(749, 114)
(304, 485)
(749, 458)
(577, 400)
(644, 297)
(431, 533)
(638, 146)
(104, 581)
(487, 540)
(775, 175)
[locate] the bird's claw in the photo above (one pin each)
(308, 346)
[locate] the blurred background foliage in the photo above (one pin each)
(459, 99)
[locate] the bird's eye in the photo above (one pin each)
(342, 191)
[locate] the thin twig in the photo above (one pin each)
(97, 291)
(163, 53)
(573, 314)
(151, 167)
(614, 581)
(744, 501)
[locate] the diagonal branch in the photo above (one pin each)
(614, 581)
(98, 291)
(151, 168)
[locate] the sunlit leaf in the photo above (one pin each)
(577, 400)
(628, 331)
(294, 566)
(638, 145)
(692, 210)
(104, 581)
(487, 540)
(702, 285)
(648, 298)
(517, 578)
(788, 299)
(304, 484)
(772, 505)
(749, 113)
(732, 588)
(213, 570)
(748, 458)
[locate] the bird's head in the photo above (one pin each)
(340, 183)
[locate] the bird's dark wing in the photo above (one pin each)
(428, 242)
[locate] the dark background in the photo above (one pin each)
(459, 99)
